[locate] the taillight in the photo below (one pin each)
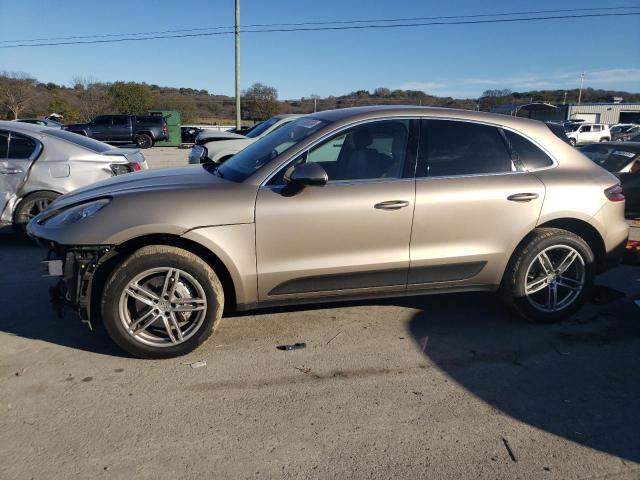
(122, 168)
(614, 193)
(135, 167)
(633, 245)
(164, 128)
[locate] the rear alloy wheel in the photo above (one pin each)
(144, 141)
(162, 302)
(550, 278)
(31, 206)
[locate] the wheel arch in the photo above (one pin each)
(126, 248)
(28, 194)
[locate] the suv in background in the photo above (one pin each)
(623, 133)
(584, 133)
(143, 130)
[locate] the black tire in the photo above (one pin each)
(515, 277)
(572, 142)
(138, 263)
(143, 141)
(604, 139)
(30, 206)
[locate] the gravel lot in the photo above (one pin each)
(162, 157)
(450, 386)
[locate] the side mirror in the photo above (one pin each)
(307, 175)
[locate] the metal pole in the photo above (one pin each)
(580, 93)
(315, 104)
(237, 35)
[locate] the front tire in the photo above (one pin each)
(550, 277)
(162, 302)
(143, 141)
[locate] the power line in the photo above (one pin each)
(206, 30)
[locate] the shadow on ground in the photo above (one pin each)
(578, 379)
(25, 310)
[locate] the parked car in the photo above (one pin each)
(623, 160)
(624, 133)
(341, 204)
(38, 164)
(144, 131)
(584, 133)
(44, 122)
(246, 129)
(218, 147)
(635, 139)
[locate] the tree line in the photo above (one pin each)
(22, 96)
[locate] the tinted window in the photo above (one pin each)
(4, 144)
(260, 129)
(120, 120)
(464, 148)
(150, 119)
(585, 128)
(21, 146)
(611, 157)
(261, 152)
(375, 150)
(102, 121)
(80, 140)
(558, 131)
(528, 154)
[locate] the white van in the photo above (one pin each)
(584, 133)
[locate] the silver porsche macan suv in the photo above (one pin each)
(342, 204)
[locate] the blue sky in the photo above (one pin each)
(459, 61)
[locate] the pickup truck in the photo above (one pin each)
(144, 131)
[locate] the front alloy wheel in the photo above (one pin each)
(162, 302)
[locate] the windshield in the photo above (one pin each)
(571, 127)
(81, 140)
(612, 158)
(259, 130)
(258, 154)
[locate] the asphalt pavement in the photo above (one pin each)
(446, 386)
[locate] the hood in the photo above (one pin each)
(140, 182)
(213, 135)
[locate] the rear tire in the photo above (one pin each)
(550, 277)
(29, 207)
(161, 302)
(572, 142)
(143, 141)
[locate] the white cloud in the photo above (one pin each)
(423, 86)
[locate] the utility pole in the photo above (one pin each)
(237, 35)
(564, 102)
(581, 83)
(315, 104)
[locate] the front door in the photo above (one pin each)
(350, 236)
(17, 153)
(474, 204)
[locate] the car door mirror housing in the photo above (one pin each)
(307, 175)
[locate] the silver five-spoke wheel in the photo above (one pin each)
(555, 278)
(162, 307)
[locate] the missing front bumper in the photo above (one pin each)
(76, 268)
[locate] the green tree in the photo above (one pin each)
(131, 98)
(61, 106)
(260, 102)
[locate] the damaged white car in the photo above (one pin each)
(38, 164)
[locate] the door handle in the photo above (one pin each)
(522, 197)
(10, 171)
(391, 205)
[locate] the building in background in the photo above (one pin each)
(608, 113)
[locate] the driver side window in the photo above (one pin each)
(372, 151)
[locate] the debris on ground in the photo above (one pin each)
(20, 372)
(295, 346)
(508, 447)
(334, 337)
(198, 364)
(305, 370)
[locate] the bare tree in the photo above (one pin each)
(17, 89)
(92, 96)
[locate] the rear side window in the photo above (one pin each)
(120, 120)
(463, 148)
(529, 155)
(151, 119)
(4, 144)
(21, 147)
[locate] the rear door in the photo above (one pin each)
(17, 153)
(120, 130)
(474, 204)
(101, 127)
